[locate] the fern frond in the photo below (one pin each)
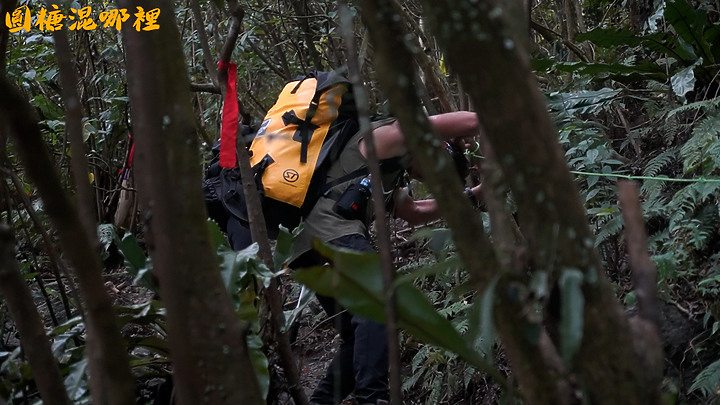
(611, 228)
(655, 165)
(690, 198)
(705, 227)
(702, 149)
(706, 105)
(652, 190)
(454, 309)
(672, 127)
(708, 380)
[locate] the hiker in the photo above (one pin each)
(361, 365)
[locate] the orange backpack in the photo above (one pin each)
(301, 135)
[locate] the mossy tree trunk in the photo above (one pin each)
(557, 238)
(208, 346)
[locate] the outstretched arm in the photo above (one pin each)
(389, 141)
(417, 212)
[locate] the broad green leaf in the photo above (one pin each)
(582, 102)
(260, 363)
(355, 280)
(142, 362)
(217, 237)
(683, 81)
(151, 343)
(148, 313)
(572, 307)
(689, 23)
(283, 249)
(136, 262)
(75, 382)
(76, 328)
(482, 326)
(609, 37)
(246, 304)
(661, 42)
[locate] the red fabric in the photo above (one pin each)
(229, 127)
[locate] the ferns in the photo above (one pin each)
(702, 151)
(708, 381)
(609, 228)
(659, 162)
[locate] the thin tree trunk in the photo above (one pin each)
(34, 340)
(55, 263)
(551, 214)
(110, 378)
(381, 226)
(301, 14)
(208, 345)
(73, 128)
(394, 69)
(204, 43)
(259, 234)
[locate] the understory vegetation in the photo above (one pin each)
(629, 102)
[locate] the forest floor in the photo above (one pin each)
(316, 342)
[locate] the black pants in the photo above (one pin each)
(361, 364)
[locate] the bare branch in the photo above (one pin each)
(643, 269)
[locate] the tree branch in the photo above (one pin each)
(259, 234)
(643, 269)
(32, 332)
(551, 35)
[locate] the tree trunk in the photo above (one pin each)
(394, 70)
(211, 362)
(35, 342)
(110, 378)
(551, 214)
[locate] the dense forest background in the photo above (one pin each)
(592, 276)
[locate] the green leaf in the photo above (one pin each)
(572, 307)
(259, 362)
(147, 313)
(217, 237)
(283, 249)
(708, 380)
(482, 326)
(76, 381)
(608, 37)
(136, 262)
(683, 81)
(64, 333)
(689, 24)
(582, 102)
(355, 280)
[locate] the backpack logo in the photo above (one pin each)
(291, 175)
